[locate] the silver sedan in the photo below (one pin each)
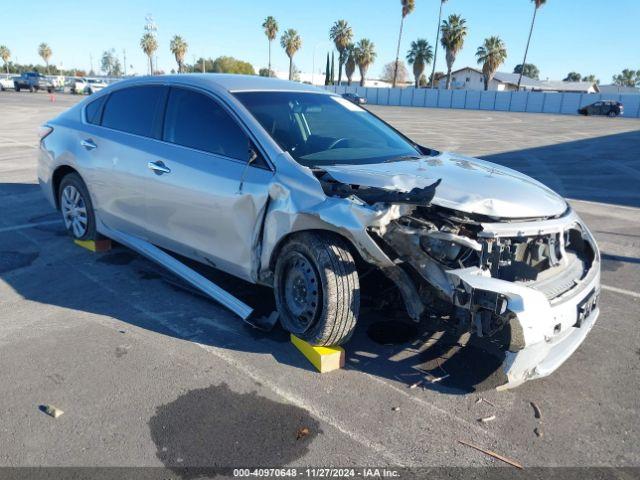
(299, 189)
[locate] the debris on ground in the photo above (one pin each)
(396, 409)
(536, 410)
(493, 454)
(433, 379)
(414, 385)
(487, 419)
(481, 399)
(302, 432)
(538, 432)
(51, 410)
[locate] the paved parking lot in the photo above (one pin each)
(150, 374)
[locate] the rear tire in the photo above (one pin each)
(317, 289)
(76, 208)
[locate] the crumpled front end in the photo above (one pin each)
(529, 287)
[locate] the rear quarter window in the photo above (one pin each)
(133, 110)
(93, 111)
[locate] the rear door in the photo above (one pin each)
(209, 203)
(120, 139)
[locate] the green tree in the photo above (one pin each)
(591, 79)
(572, 77)
(537, 5)
(491, 55)
(407, 7)
(5, 55)
(350, 62)
(270, 26)
(530, 70)
(341, 34)
(44, 51)
(264, 72)
(108, 61)
(627, 78)
(364, 54)
(454, 31)
(419, 55)
(291, 42)
(332, 74)
(149, 45)
(327, 75)
(435, 55)
(178, 47)
(225, 64)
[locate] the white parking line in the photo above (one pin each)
(28, 225)
(620, 290)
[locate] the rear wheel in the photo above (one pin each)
(76, 208)
(317, 288)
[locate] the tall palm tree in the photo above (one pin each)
(407, 8)
(44, 51)
(365, 54)
(491, 55)
(454, 31)
(350, 63)
(420, 55)
(291, 42)
(179, 49)
(149, 45)
(537, 5)
(435, 55)
(341, 34)
(270, 26)
(5, 55)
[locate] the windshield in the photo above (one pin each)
(318, 129)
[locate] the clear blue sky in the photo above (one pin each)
(587, 36)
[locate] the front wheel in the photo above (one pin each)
(317, 288)
(613, 114)
(76, 208)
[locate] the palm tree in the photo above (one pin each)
(538, 4)
(365, 54)
(44, 51)
(407, 8)
(149, 45)
(350, 63)
(420, 55)
(341, 34)
(291, 42)
(491, 55)
(271, 31)
(5, 55)
(454, 31)
(179, 49)
(435, 55)
(628, 78)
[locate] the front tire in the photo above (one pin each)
(76, 208)
(317, 288)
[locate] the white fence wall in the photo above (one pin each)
(533, 102)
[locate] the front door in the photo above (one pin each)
(196, 205)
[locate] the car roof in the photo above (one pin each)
(226, 81)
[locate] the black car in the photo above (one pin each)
(603, 107)
(32, 81)
(354, 98)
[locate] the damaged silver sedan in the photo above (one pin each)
(296, 188)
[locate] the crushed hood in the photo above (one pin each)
(467, 184)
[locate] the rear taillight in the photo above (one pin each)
(44, 131)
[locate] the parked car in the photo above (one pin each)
(296, 188)
(32, 81)
(355, 98)
(604, 107)
(94, 85)
(7, 82)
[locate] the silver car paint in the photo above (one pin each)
(240, 230)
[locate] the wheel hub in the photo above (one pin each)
(301, 293)
(74, 211)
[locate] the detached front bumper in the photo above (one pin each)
(544, 333)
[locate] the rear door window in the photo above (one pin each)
(197, 121)
(133, 110)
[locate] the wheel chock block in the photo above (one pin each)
(325, 359)
(101, 245)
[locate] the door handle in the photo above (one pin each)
(158, 168)
(88, 144)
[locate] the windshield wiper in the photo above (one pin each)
(402, 158)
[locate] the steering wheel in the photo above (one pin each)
(337, 141)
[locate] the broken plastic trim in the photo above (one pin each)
(373, 195)
(178, 268)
